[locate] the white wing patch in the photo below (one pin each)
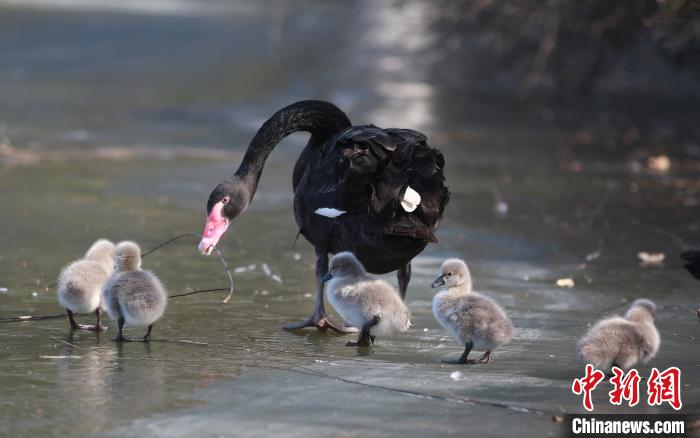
(410, 200)
(329, 212)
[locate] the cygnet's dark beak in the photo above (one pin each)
(327, 277)
(440, 281)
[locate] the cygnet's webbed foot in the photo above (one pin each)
(462, 360)
(147, 336)
(365, 339)
(73, 325)
(98, 323)
(362, 342)
(89, 327)
(458, 361)
(92, 328)
(120, 336)
(486, 357)
(322, 323)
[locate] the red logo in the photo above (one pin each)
(665, 387)
(587, 384)
(662, 387)
(625, 388)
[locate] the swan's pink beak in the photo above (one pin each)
(216, 226)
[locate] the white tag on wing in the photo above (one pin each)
(329, 212)
(410, 200)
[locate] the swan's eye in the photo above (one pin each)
(225, 200)
(449, 274)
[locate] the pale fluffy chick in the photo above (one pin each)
(133, 296)
(622, 341)
(474, 321)
(80, 283)
(363, 300)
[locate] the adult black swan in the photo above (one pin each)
(379, 193)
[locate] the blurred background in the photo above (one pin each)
(572, 141)
(205, 73)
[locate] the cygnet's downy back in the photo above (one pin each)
(642, 310)
(128, 256)
(103, 252)
(622, 341)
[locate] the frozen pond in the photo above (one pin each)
(151, 128)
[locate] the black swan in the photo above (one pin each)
(378, 193)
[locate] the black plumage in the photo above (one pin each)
(692, 262)
(361, 170)
(365, 170)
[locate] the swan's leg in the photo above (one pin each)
(365, 339)
(463, 358)
(318, 319)
(73, 325)
(485, 358)
(404, 276)
(147, 336)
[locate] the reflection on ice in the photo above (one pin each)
(151, 7)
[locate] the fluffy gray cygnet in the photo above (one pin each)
(131, 295)
(80, 284)
(622, 341)
(364, 301)
(474, 321)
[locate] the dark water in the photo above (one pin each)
(154, 107)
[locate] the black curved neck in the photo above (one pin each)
(321, 119)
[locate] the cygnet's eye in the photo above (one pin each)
(449, 274)
(225, 200)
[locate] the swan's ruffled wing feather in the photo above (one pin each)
(391, 161)
(367, 170)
